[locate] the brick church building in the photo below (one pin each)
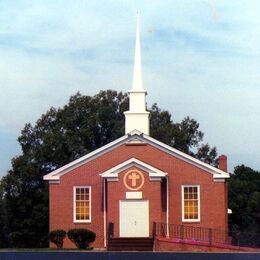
(135, 181)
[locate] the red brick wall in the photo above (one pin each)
(151, 191)
(213, 195)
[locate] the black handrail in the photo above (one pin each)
(191, 233)
(210, 235)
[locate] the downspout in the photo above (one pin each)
(167, 206)
(105, 212)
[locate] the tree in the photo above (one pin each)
(25, 205)
(2, 218)
(244, 199)
(65, 134)
(184, 136)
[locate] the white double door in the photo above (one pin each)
(134, 218)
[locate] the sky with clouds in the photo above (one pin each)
(200, 58)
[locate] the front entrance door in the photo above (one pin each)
(134, 218)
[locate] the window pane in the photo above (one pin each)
(82, 204)
(190, 210)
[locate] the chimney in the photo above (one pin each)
(222, 162)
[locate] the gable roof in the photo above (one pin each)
(133, 137)
(152, 171)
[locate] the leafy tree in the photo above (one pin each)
(25, 205)
(2, 218)
(65, 134)
(244, 200)
(185, 136)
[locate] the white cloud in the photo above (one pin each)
(210, 69)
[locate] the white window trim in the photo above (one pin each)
(74, 205)
(182, 203)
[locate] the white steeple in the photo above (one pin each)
(137, 118)
(137, 80)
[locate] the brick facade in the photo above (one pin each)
(213, 195)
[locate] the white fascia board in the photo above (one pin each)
(217, 173)
(55, 175)
(113, 172)
(135, 132)
(221, 177)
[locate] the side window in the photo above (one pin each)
(190, 203)
(82, 204)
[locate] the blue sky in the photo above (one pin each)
(200, 58)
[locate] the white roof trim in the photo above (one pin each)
(55, 175)
(217, 173)
(113, 172)
(135, 132)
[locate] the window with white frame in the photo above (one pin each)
(190, 203)
(82, 204)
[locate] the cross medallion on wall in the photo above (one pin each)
(134, 180)
(133, 176)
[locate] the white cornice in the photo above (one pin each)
(217, 173)
(136, 135)
(55, 175)
(153, 172)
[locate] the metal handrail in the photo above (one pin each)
(210, 235)
(191, 233)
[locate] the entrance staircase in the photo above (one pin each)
(128, 243)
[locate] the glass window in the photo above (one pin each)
(82, 204)
(190, 203)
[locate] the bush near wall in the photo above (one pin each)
(81, 237)
(57, 236)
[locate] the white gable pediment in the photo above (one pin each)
(154, 173)
(136, 137)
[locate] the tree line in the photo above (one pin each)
(86, 123)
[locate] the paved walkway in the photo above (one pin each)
(70, 255)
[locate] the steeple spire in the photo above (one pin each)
(137, 79)
(137, 118)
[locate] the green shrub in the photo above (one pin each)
(81, 237)
(57, 236)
